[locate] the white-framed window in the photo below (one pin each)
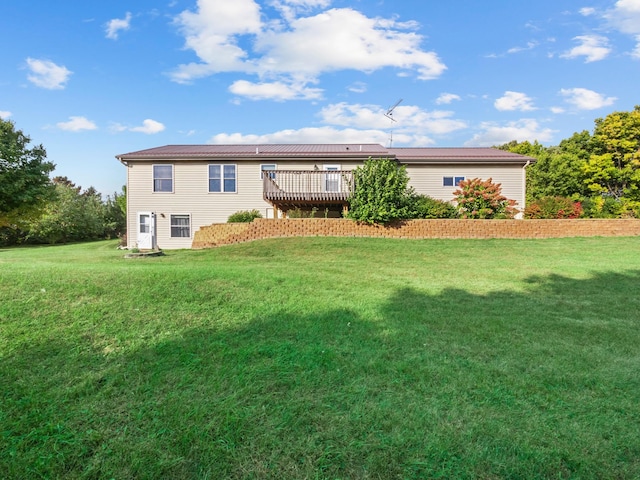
(163, 178)
(222, 178)
(451, 181)
(268, 166)
(332, 180)
(181, 226)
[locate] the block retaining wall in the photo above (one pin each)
(228, 233)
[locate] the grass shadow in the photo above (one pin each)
(534, 384)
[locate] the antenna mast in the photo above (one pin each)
(389, 115)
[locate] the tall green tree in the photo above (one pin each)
(72, 216)
(613, 169)
(24, 174)
(115, 214)
(558, 171)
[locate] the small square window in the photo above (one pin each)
(447, 181)
(180, 226)
(457, 180)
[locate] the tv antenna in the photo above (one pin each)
(390, 110)
(389, 115)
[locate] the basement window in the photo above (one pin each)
(180, 226)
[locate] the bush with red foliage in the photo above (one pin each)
(478, 198)
(553, 207)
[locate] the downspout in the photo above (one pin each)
(524, 186)
(123, 162)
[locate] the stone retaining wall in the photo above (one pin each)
(228, 233)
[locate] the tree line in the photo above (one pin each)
(598, 173)
(590, 174)
(35, 208)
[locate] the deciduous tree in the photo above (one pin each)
(613, 169)
(24, 174)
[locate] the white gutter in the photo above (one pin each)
(524, 186)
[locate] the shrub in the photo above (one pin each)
(610, 207)
(381, 193)
(244, 216)
(299, 213)
(553, 207)
(424, 206)
(478, 198)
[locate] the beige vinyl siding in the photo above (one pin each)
(191, 194)
(427, 179)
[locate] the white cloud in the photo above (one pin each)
(354, 123)
(324, 135)
(340, 39)
(530, 46)
(289, 9)
(117, 127)
(212, 33)
(306, 135)
(358, 87)
(274, 91)
(557, 110)
(295, 49)
(636, 51)
(592, 47)
(410, 119)
(77, 124)
(514, 101)
(4, 114)
(625, 17)
(587, 11)
(584, 99)
(116, 25)
(447, 98)
(149, 127)
(521, 130)
(46, 74)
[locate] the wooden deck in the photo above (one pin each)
(287, 189)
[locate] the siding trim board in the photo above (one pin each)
(190, 193)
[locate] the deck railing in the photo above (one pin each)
(307, 186)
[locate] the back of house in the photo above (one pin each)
(175, 189)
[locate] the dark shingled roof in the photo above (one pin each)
(355, 150)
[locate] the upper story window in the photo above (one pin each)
(222, 178)
(163, 178)
(268, 166)
(451, 181)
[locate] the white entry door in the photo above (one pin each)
(146, 230)
(331, 180)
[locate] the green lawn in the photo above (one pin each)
(323, 359)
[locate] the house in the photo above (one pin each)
(174, 190)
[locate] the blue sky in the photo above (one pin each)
(90, 80)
